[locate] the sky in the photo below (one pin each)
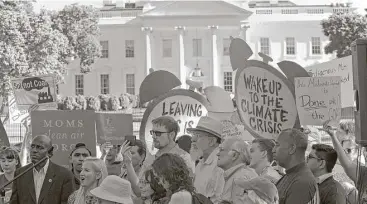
(59, 4)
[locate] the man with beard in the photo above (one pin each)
(77, 156)
(164, 133)
(47, 182)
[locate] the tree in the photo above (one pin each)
(342, 29)
(34, 44)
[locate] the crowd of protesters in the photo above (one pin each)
(202, 167)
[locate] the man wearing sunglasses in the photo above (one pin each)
(321, 161)
(164, 133)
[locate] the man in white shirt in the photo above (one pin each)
(47, 182)
(206, 137)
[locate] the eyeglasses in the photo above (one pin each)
(313, 157)
(157, 133)
(348, 150)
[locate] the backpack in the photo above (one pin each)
(198, 198)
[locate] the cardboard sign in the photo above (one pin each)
(230, 129)
(65, 128)
(318, 99)
(183, 105)
(342, 67)
(16, 116)
(113, 127)
(39, 90)
(265, 100)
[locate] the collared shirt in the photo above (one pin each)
(322, 178)
(298, 186)
(183, 154)
(271, 174)
(39, 177)
(234, 193)
(209, 179)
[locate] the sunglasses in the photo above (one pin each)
(157, 133)
(348, 151)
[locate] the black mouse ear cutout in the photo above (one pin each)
(292, 70)
(239, 53)
(153, 86)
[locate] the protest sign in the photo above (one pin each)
(65, 128)
(183, 105)
(318, 99)
(230, 129)
(113, 127)
(39, 90)
(16, 115)
(342, 67)
(265, 100)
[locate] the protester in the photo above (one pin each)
(208, 176)
(265, 190)
(174, 176)
(184, 142)
(9, 163)
(298, 185)
(113, 164)
(321, 161)
(262, 158)
(94, 171)
(234, 158)
(164, 133)
(77, 156)
(133, 158)
(113, 190)
(47, 182)
(358, 174)
(151, 191)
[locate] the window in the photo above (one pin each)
(105, 84)
(265, 46)
(167, 47)
(315, 45)
(130, 84)
(129, 49)
(289, 11)
(79, 84)
(104, 45)
(226, 44)
(196, 48)
(228, 81)
(290, 46)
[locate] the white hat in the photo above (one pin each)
(114, 189)
(209, 125)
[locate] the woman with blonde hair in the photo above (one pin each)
(94, 171)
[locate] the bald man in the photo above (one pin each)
(298, 185)
(47, 182)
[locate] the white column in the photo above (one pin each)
(181, 56)
(244, 28)
(148, 48)
(215, 62)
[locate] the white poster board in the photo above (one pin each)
(342, 67)
(16, 116)
(318, 99)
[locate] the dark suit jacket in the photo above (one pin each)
(56, 188)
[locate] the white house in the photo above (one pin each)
(179, 36)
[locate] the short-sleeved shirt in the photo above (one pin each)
(298, 186)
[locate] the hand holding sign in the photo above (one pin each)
(125, 151)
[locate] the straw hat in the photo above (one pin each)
(209, 125)
(114, 189)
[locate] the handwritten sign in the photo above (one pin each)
(186, 107)
(113, 127)
(65, 128)
(230, 129)
(318, 99)
(35, 90)
(16, 116)
(264, 99)
(339, 67)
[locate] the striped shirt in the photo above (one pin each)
(298, 186)
(39, 177)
